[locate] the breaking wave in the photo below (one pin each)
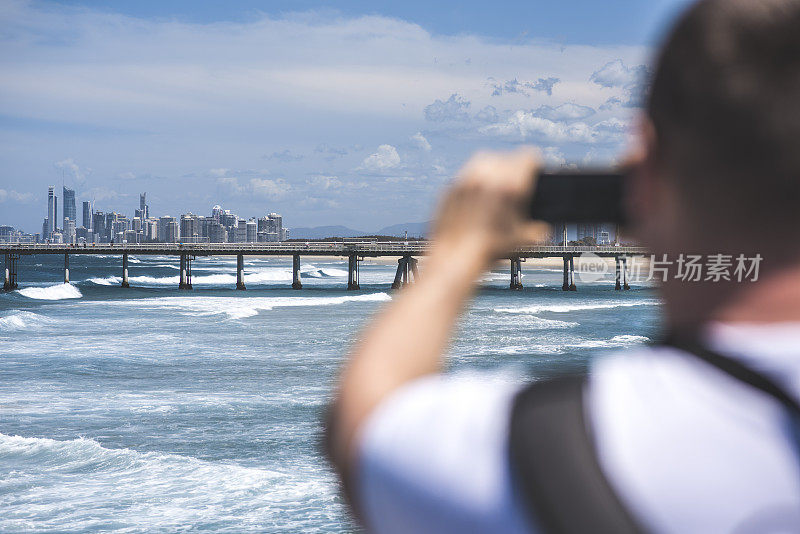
(78, 485)
(57, 292)
(20, 321)
(241, 307)
(563, 308)
(276, 274)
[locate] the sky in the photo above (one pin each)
(353, 113)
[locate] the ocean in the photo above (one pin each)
(151, 409)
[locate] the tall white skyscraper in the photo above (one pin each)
(51, 211)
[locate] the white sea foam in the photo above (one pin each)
(57, 292)
(616, 341)
(21, 321)
(254, 276)
(241, 307)
(563, 308)
(80, 485)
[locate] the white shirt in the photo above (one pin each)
(686, 447)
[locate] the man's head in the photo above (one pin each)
(720, 170)
(724, 127)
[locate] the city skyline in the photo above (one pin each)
(109, 227)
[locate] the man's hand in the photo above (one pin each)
(483, 215)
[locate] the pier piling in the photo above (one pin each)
(296, 284)
(398, 276)
(617, 285)
(572, 286)
(565, 285)
(240, 272)
(186, 272)
(516, 273)
(352, 272)
(10, 281)
(412, 262)
(66, 268)
(125, 282)
(625, 273)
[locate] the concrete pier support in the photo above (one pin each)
(10, 279)
(516, 273)
(572, 286)
(240, 272)
(625, 273)
(412, 262)
(617, 261)
(125, 282)
(296, 283)
(352, 272)
(565, 285)
(66, 268)
(406, 268)
(186, 272)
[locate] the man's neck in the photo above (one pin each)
(774, 298)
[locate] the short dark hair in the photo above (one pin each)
(725, 105)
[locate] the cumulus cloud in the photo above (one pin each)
(15, 196)
(632, 80)
(512, 86)
(487, 114)
(553, 156)
(421, 142)
(526, 125)
(563, 112)
(384, 159)
(268, 188)
(73, 170)
(325, 183)
(453, 109)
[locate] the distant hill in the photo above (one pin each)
(396, 230)
(321, 232)
(413, 229)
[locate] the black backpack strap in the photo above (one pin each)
(554, 456)
(556, 465)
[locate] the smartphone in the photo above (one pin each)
(579, 196)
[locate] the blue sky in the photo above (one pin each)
(354, 113)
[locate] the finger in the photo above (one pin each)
(533, 232)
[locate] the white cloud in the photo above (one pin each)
(268, 188)
(15, 196)
(384, 159)
(73, 170)
(322, 182)
(568, 111)
(421, 142)
(527, 126)
(453, 109)
(553, 157)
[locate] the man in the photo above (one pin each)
(700, 435)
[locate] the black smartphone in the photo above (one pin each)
(579, 196)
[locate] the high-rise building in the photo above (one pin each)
(144, 211)
(69, 230)
(99, 226)
(51, 212)
(252, 231)
(87, 215)
(69, 207)
(168, 230)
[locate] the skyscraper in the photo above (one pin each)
(70, 212)
(87, 215)
(143, 206)
(51, 212)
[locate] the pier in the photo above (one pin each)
(407, 253)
